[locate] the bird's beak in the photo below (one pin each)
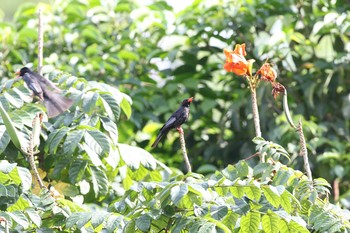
(18, 74)
(190, 99)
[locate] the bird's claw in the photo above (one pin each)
(180, 130)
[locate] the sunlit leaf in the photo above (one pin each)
(270, 223)
(250, 222)
(99, 181)
(10, 128)
(178, 192)
(134, 156)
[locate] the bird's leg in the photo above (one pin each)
(180, 130)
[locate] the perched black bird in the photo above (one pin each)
(55, 103)
(176, 120)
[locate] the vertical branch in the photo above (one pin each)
(183, 149)
(303, 150)
(34, 142)
(40, 41)
(255, 112)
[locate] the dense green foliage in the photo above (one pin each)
(127, 66)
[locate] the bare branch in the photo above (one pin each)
(40, 40)
(183, 149)
(303, 150)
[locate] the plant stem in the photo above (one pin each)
(303, 150)
(255, 111)
(183, 149)
(34, 169)
(33, 142)
(40, 41)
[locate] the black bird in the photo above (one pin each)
(176, 120)
(55, 103)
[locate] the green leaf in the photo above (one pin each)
(284, 227)
(253, 192)
(230, 172)
(218, 212)
(111, 128)
(207, 228)
(111, 106)
(34, 216)
(128, 55)
(237, 191)
(6, 167)
(4, 138)
(286, 202)
(143, 223)
(19, 218)
(21, 203)
(3, 190)
(97, 141)
(11, 129)
(130, 227)
(72, 140)
(98, 218)
(270, 223)
(94, 157)
(14, 99)
(54, 140)
(89, 101)
(242, 169)
(84, 219)
(178, 192)
(77, 170)
(296, 227)
(134, 156)
(261, 168)
(271, 196)
(126, 107)
(72, 220)
(26, 178)
(250, 222)
(99, 181)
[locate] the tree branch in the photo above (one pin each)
(183, 149)
(34, 142)
(255, 112)
(40, 40)
(303, 150)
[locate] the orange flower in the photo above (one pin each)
(236, 62)
(267, 73)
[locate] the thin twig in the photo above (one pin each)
(303, 150)
(252, 156)
(183, 149)
(40, 41)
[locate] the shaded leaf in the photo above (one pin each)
(218, 212)
(72, 140)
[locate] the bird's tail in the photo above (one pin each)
(155, 143)
(55, 103)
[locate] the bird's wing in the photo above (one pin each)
(46, 82)
(169, 123)
(32, 84)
